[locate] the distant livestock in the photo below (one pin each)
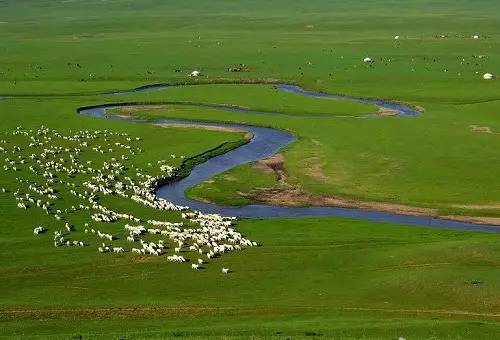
(211, 235)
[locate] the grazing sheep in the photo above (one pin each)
(39, 230)
(213, 232)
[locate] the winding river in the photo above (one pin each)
(265, 143)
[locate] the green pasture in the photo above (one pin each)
(311, 278)
(435, 160)
(335, 277)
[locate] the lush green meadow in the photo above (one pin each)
(438, 160)
(435, 161)
(323, 277)
(335, 277)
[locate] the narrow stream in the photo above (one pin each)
(265, 143)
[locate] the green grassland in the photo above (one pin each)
(317, 277)
(436, 160)
(333, 278)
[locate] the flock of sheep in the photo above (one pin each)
(54, 169)
(486, 76)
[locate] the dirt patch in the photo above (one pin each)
(315, 170)
(274, 164)
(474, 219)
(387, 112)
(481, 129)
(230, 178)
(142, 108)
(88, 36)
(296, 197)
(238, 68)
(285, 195)
(110, 313)
(248, 135)
(135, 312)
(232, 106)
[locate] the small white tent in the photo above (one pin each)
(367, 60)
(195, 73)
(488, 76)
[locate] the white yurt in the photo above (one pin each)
(488, 76)
(195, 73)
(367, 60)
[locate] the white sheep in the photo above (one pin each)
(38, 230)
